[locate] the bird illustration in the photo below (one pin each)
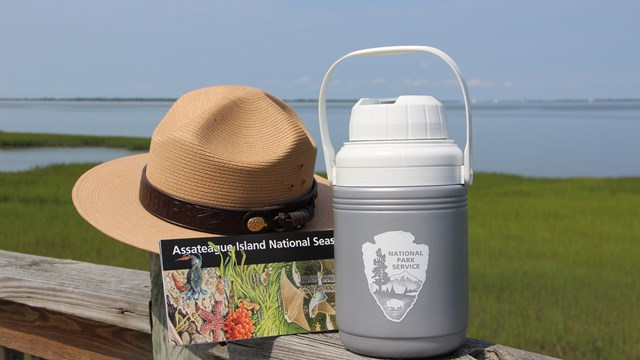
(193, 287)
(264, 277)
(295, 274)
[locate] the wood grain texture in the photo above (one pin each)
(108, 294)
(64, 309)
(52, 335)
(317, 346)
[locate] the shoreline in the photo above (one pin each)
(19, 140)
(27, 140)
(338, 101)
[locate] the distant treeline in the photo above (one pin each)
(134, 99)
(490, 102)
(88, 99)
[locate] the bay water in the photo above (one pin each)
(589, 138)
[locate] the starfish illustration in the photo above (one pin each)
(213, 320)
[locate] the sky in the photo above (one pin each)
(506, 49)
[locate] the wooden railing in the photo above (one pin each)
(64, 309)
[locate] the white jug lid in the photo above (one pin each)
(408, 117)
(431, 131)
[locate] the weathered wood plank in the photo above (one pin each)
(291, 347)
(53, 335)
(328, 346)
(84, 310)
(107, 294)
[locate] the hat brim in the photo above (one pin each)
(106, 196)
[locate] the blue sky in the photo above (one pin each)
(509, 49)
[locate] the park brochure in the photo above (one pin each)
(248, 286)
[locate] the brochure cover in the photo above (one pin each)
(247, 286)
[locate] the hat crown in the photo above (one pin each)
(233, 147)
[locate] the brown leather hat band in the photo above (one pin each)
(198, 217)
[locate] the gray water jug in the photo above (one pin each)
(400, 222)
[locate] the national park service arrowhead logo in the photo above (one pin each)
(396, 268)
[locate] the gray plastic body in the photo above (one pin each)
(401, 263)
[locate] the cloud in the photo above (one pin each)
(275, 81)
(302, 80)
(415, 82)
(479, 83)
(378, 81)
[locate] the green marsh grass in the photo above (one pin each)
(18, 140)
(37, 217)
(554, 263)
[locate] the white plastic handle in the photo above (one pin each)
(327, 146)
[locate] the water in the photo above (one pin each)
(24, 159)
(542, 139)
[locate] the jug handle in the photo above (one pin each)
(327, 146)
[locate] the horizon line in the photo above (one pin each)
(170, 99)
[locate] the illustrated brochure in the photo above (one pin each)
(248, 286)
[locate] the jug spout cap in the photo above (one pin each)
(408, 117)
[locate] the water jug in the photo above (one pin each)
(400, 222)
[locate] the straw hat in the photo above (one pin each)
(223, 160)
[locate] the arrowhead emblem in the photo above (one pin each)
(396, 268)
